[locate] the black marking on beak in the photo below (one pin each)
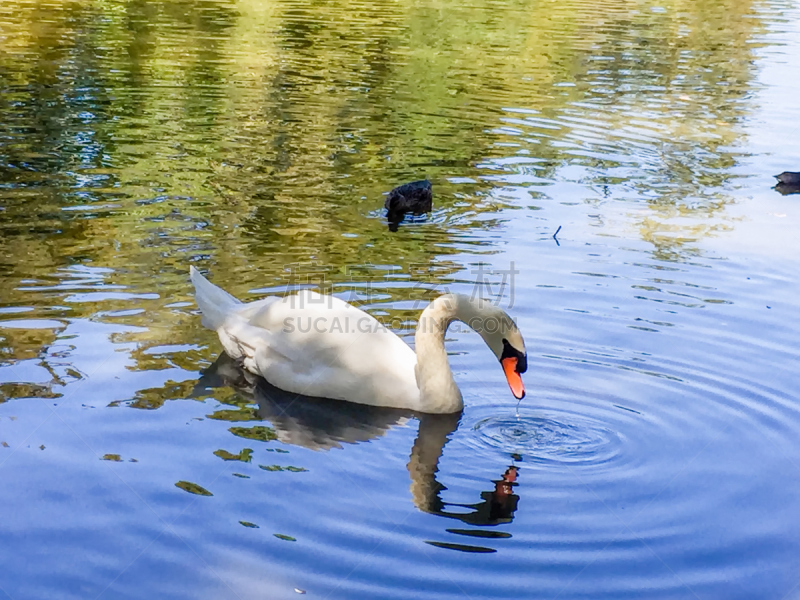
(510, 352)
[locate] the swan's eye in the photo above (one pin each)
(510, 352)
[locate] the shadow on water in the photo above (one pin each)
(323, 424)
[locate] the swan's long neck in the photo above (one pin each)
(438, 390)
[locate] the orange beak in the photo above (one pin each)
(514, 380)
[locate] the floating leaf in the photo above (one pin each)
(244, 456)
(249, 524)
(193, 488)
(114, 457)
(242, 476)
(5, 445)
(270, 467)
(281, 450)
(257, 432)
(287, 538)
(296, 469)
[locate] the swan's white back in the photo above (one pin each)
(313, 345)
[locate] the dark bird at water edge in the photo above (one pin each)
(788, 183)
(415, 198)
(788, 178)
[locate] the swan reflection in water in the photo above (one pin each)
(322, 424)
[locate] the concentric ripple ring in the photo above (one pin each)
(550, 438)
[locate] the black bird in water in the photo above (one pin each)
(788, 178)
(415, 198)
(788, 183)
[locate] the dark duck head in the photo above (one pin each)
(415, 198)
(788, 178)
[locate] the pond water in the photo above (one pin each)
(657, 453)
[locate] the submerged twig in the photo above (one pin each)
(555, 234)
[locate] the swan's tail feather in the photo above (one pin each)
(214, 302)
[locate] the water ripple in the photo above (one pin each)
(554, 438)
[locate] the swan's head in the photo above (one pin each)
(515, 362)
(509, 348)
(499, 332)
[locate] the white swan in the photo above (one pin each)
(317, 345)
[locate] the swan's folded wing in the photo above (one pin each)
(321, 346)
